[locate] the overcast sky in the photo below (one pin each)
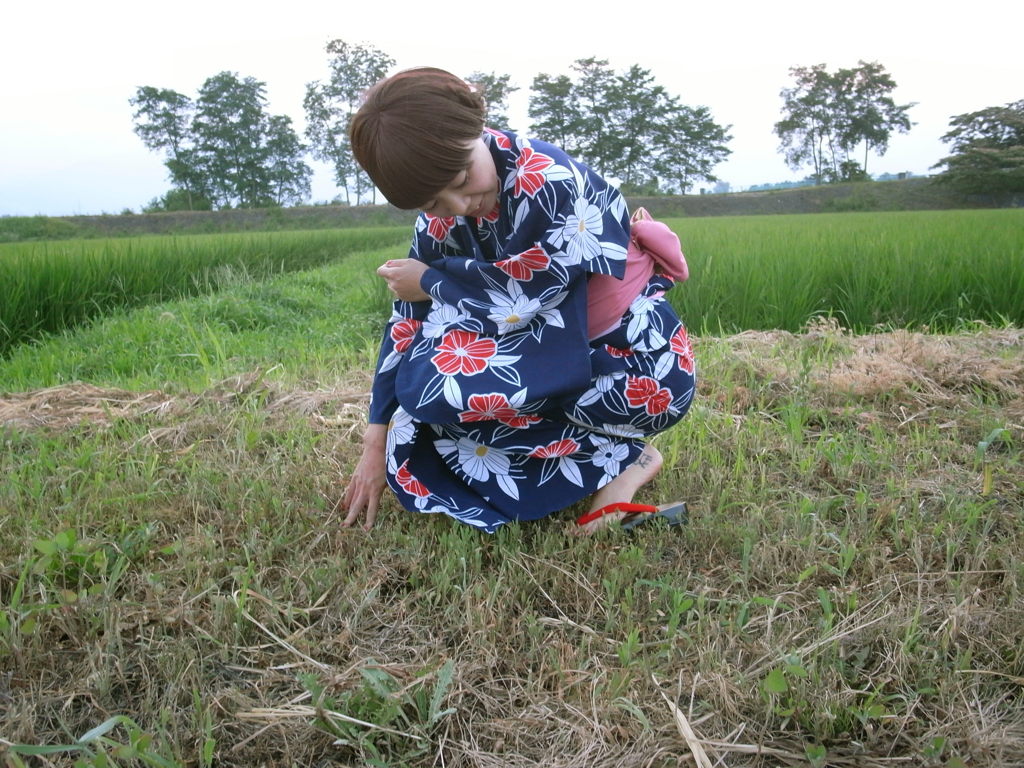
(67, 70)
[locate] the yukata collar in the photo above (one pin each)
(504, 158)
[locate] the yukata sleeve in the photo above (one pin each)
(399, 333)
(566, 223)
(401, 330)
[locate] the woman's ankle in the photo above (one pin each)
(624, 487)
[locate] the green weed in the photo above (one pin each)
(384, 720)
(99, 749)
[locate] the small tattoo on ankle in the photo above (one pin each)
(643, 460)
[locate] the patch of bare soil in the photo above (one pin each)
(80, 404)
(891, 375)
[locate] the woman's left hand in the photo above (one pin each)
(403, 278)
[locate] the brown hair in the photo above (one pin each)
(412, 130)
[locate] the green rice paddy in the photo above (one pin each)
(903, 269)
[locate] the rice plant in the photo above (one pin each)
(931, 268)
(47, 287)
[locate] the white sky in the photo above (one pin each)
(67, 70)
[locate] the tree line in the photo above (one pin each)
(222, 149)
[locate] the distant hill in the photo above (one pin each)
(905, 195)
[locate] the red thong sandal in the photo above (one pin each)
(638, 514)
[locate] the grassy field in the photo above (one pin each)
(175, 588)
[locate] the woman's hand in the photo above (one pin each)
(403, 278)
(362, 496)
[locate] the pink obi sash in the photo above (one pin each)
(653, 247)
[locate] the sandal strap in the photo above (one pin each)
(619, 506)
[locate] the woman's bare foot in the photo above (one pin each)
(622, 489)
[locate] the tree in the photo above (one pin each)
(628, 127)
(595, 94)
(162, 119)
(229, 127)
(638, 111)
(554, 114)
(330, 106)
(688, 147)
(495, 89)
(223, 148)
(659, 143)
(988, 151)
(807, 130)
(827, 115)
(871, 113)
(289, 176)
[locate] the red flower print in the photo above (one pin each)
(409, 483)
(684, 350)
(500, 138)
(496, 407)
(403, 332)
(493, 407)
(616, 352)
(522, 421)
(530, 172)
(643, 390)
(521, 266)
(439, 228)
(463, 352)
(553, 450)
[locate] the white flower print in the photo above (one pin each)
(401, 430)
(641, 305)
(606, 381)
(477, 460)
(581, 231)
(511, 314)
(602, 385)
(441, 316)
(621, 430)
(641, 309)
(512, 310)
(609, 455)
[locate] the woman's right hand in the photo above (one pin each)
(403, 278)
(362, 495)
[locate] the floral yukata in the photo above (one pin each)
(499, 408)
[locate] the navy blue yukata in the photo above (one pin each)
(498, 406)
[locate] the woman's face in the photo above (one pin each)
(473, 192)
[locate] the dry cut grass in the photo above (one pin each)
(848, 592)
